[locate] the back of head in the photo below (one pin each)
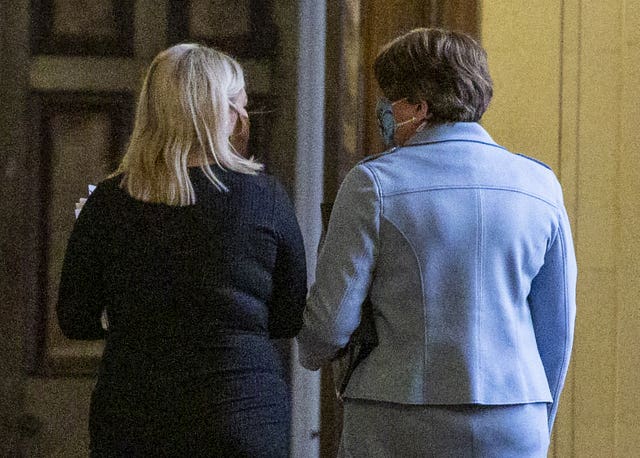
(183, 118)
(446, 69)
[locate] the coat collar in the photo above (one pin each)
(459, 131)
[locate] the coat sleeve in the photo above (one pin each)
(552, 301)
(80, 294)
(290, 272)
(344, 270)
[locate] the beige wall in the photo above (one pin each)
(567, 78)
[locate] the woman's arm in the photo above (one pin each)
(290, 272)
(344, 270)
(80, 295)
(553, 309)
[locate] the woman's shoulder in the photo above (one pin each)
(112, 182)
(102, 189)
(264, 183)
(108, 189)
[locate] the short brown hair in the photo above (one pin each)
(446, 69)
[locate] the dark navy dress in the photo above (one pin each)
(194, 296)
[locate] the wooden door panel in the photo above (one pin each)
(82, 136)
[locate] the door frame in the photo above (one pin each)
(16, 234)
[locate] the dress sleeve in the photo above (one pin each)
(81, 292)
(552, 301)
(290, 271)
(344, 270)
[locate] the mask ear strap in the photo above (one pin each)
(428, 116)
(398, 124)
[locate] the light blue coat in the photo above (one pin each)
(466, 252)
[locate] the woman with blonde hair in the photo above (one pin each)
(464, 252)
(197, 257)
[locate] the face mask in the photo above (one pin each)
(386, 122)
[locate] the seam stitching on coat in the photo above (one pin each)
(478, 288)
(491, 188)
(422, 300)
(565, 309)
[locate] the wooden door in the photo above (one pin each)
(70, 76)
(83, 67)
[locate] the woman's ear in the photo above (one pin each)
(422, 110)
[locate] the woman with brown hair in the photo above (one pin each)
(464, 251)
(197, 257)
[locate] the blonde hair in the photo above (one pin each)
(183, 115)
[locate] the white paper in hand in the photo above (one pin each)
(80, 203)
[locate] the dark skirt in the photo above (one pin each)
(226, 397)
(377, 429)
(240, 418)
